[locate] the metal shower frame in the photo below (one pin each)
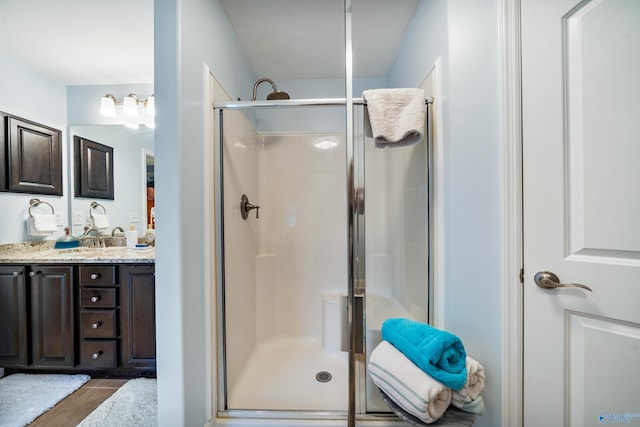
(356, 252)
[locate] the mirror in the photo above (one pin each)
(149, 167)
(133, 163)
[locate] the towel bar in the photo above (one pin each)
(95, 205)
(36, 202)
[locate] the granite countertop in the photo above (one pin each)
(45, 253)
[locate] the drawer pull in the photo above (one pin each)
(94, 276)
(96, 354)
(95, 298)
(96, 325)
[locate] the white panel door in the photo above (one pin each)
(581, 153)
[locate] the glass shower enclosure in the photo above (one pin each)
(319, 241)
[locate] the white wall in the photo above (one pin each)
(464, 35)
(193, 35)
(26, 94)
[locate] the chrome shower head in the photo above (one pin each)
(276, 94)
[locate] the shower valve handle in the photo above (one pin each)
(246, 207)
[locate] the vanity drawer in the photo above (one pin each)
(98, 298)
(98, 275)
(98, 323)
(99, 354)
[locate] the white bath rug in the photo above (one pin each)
(24, 397)
(133, 404)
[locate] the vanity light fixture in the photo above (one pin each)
(132, 114)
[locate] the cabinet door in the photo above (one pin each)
(34, 157)
(94, 169)
(138, 316)
(13, 316)
(52, 308)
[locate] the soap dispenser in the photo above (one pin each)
(132, 237)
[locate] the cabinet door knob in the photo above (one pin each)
(95, 298)
(96, 354)
(32, 273)
(94, 276)
(16, 273)
(96, 325)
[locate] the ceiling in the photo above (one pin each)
(81, 42)
(89, 42)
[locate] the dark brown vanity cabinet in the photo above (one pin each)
(52, 321)
(30, 157)
(36, 316)
(13, 316)
(85, 317)
(98, 316)
(138, 314)
(117, 317)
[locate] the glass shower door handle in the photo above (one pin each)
(358, 327)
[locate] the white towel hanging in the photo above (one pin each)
(397, 116)
(41, 225)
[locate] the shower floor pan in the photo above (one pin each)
(281, 375)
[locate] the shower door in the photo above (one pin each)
(285, 258)
(285, 261)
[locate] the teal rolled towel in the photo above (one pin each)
(438, 353)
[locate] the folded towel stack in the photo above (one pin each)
(41, 224)
(424, 370)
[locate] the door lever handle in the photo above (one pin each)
(548, 280)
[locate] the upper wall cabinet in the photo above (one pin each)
(30, 157)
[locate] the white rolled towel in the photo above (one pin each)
(41, 225)
(407, 385)
(472, 387)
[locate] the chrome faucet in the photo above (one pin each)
(113, 232)
(97, 241)
(88, 230)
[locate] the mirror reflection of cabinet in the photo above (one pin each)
(94, 169)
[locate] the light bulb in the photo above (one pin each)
(108, 106)
(151, 105)
(130, 105)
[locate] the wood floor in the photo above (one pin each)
(77, 406)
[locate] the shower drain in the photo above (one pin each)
(323, 377)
